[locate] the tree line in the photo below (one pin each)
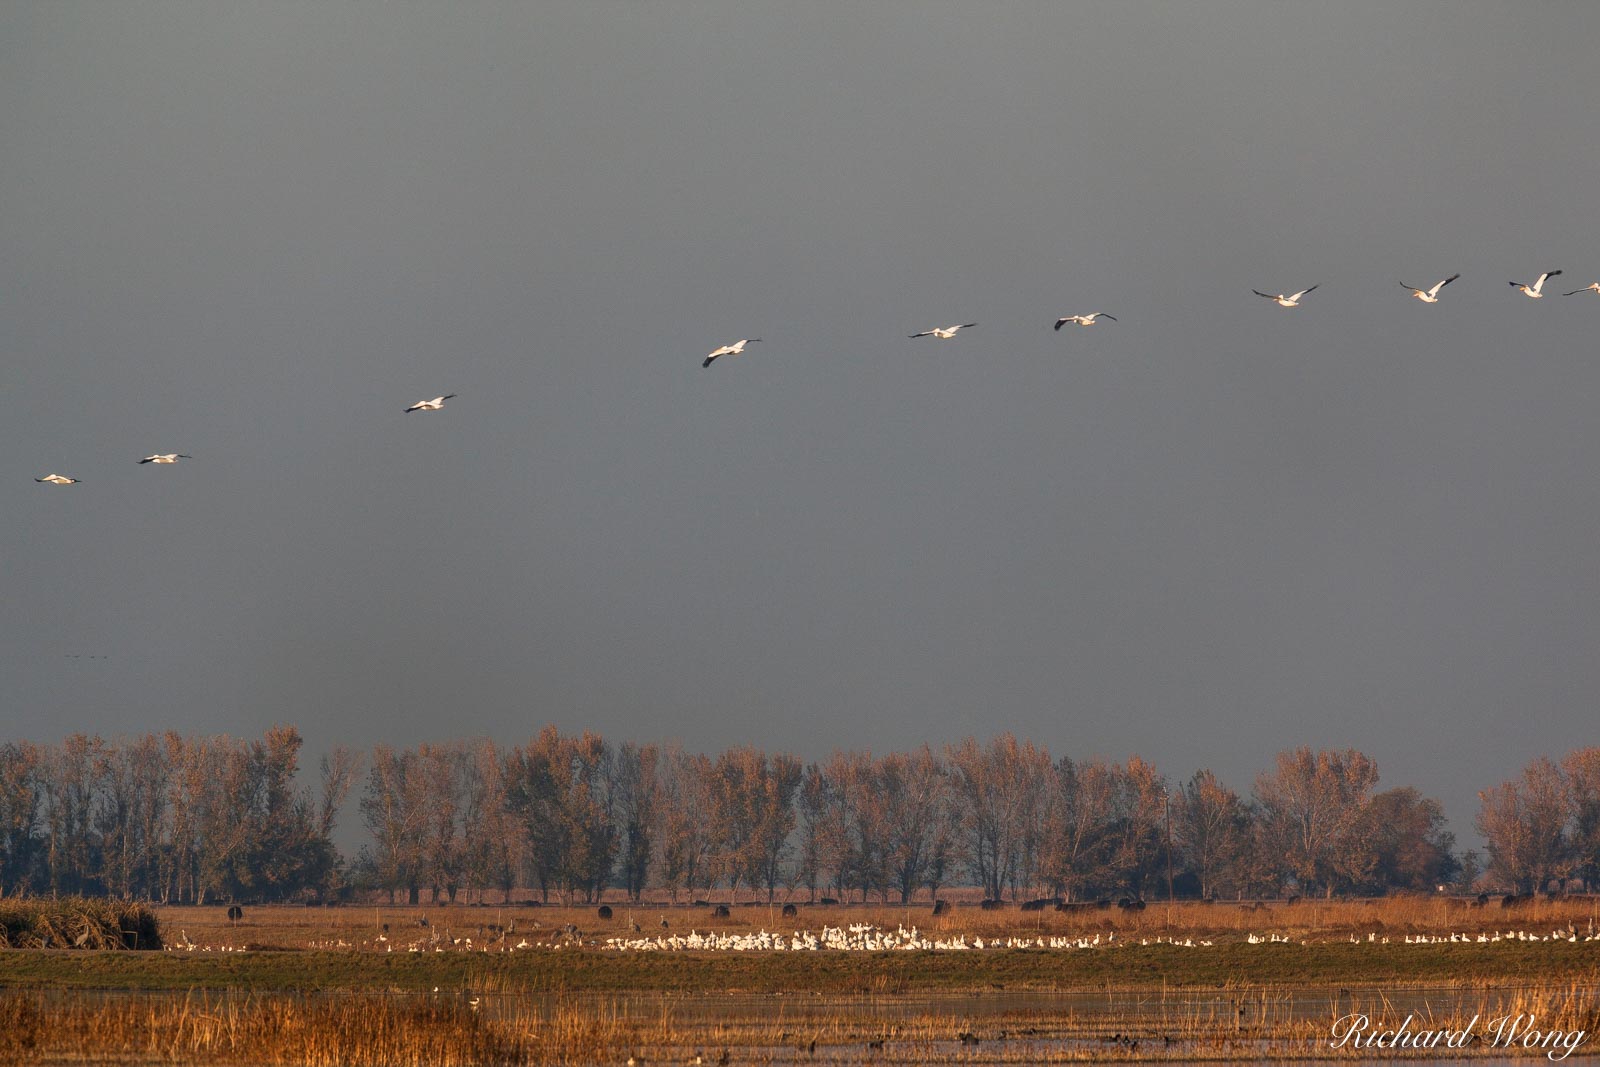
(570, 816)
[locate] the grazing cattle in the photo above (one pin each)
(828, 902)
(1040, 903)
(991, 905)
(721, 911)
(605, 911)
(235, 913)
(790, 911)
(940, 907)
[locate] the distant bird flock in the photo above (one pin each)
(868, 937)
(1430, 295)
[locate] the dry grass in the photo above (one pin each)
(379, 1031)
(451, 1031)
(77, 922)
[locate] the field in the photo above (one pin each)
(1189, 982)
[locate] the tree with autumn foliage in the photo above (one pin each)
(1210, 830)
(1313, 810)
(1000, 791)
(560, 787)
(1582, 770)
(1524, 823)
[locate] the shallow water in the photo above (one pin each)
(1003, 1027)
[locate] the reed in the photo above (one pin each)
(1240, 1022)
(381, 1031)
(77, 923)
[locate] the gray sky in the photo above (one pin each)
(1209, 531)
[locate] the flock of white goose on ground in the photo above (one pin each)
(945, 333)
(868, 937)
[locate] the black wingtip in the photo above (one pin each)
(707, 363)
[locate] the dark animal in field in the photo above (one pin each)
(991, 904)
(605, 911)
(967, 1037)
(790, 911)
(828, 902)
(235, 913)
(721, 912)
(1040, 903)
(941, 906)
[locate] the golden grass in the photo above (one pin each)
(78, 923)
(451, 1030)
(380, 1031)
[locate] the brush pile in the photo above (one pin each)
(77, 922)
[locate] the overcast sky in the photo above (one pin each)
(1206, 532)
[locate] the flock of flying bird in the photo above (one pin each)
(1288, 300)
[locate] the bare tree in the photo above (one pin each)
(1209, 827)
(20, 856)
(1313, 804)
(392, 809)
(1524, 825)
(1000, 791)
(1582, 770)
(1080, 837)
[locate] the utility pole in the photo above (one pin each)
(1166, 802)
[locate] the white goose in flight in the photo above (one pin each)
(1429, 296)
(1592, 287)
(169, 457)
(430, 405)
(58, 479)
(946, 333)
(735, 349)
(1533, 290)
(1289, 301)
(1083, 320)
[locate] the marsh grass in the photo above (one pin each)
(461, 1029)
(77, 923)
(381, 1031)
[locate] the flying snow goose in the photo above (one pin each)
(1533, 290)
(169, 457)
(57, 479)
(1592, 287)
(735, 349)
(430, 405)
(1084, 320)
(1289, 301)
(1429, 296)
(944, 334)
